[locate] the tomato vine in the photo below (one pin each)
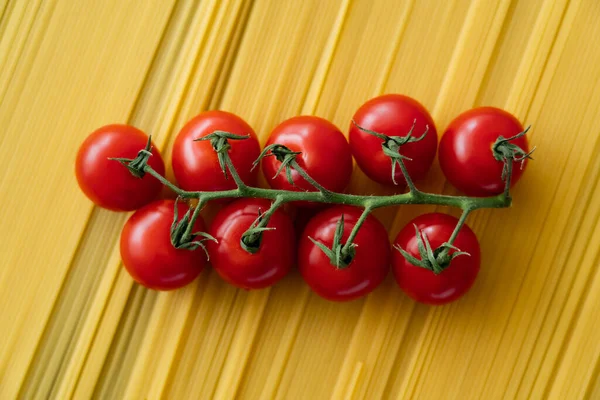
(341, 253)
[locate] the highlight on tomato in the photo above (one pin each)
(106, 182)
(458, 267)
(195, 163)
(262, 259)
(394, 116)
(358, 274)
(148, 247)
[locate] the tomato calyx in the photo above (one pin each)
(433, 260)
(220, 143)
(508, 152)
(252, 238)
(340, 254)
(136, 166)
(284, 155)
(182, 238)
(391, 147)
(287, 158)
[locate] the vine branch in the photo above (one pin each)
(341, 254)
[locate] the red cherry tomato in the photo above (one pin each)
(108, 183)
(466, 156)
(368, 268)
(196, 165)
(148, 254)
(325, 154)
(270, 263)
(423, 285)
(393, 115)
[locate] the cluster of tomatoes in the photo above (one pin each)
(147, 251)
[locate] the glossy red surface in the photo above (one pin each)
(269, 264)
(423, 285)
(148, 254)
(196, 165)
(466, 156)
(326, 155)
(366, 271)
(108, 183)
(393, 115)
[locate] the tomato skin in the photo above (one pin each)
(423, 285)
(367, 270)
(393, 115)
(326, 155)
(270, 263)
(148, 254)
(108, 183)
(466, 156)
(196, 165)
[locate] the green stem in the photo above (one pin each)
(409, 182)
(267, 215)
(459, 225)
(236, 177)
(308, 178)
(509, 170)
(250, 240)
(165, 181)
(187, 235)
(354, 232)
(443, 258)
(374, 202)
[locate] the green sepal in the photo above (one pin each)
(391, 144)
(328, 252)
(222, 135)
(507, 152)
(436, 260)
(411, 259)
(284, 155)
(420, 244)
(137, 164)
(457, 251)
(339, 257)
(429, 253)
(339, 231)
(178, 229)
(220, 143)
(252, 238)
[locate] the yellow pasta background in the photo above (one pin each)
(74, 325)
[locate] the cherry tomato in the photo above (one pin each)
(367, 269)
(466, 156)
(196, 165)
(270, 263)
(325, 155)
(393, 115)
(148, 254)
(423, 285)
(106, 182)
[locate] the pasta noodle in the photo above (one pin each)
(74, 325)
